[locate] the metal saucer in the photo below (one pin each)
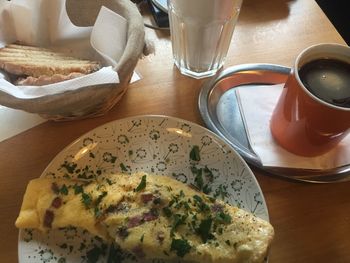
(220, 111)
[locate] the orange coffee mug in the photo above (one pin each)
(313, 112)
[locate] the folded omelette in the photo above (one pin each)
(149, 216)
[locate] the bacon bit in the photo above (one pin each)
(57, 202)
(147, 198)
(217, 207)
(135, 221)
(55, 188)
(160, 236)
(48, 218)
(151, 215)
(138, 251)
(145, 217)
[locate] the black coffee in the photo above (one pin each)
(328, 79)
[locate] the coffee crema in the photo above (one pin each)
(328, 79)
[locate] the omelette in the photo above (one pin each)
(149, 216)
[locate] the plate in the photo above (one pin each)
(154, 144)
(221, 113)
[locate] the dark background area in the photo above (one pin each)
(338, 12)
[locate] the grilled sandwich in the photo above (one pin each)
(41, 63)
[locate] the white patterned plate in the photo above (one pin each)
(154, 144)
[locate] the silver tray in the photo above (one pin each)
(221, 113)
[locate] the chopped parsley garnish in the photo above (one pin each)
(220, 230)
(142, 237)
(94, 254)
(197, 198)
(64, 190)
(181, 246)
(167, 211)
(200, 203)
(194, 153)
(204, 229)
(208, 174)
(70, 167)
(86, 173)
(116, 255)
(86, 199)
(223, 218)
(181, 194)
(142, 184)
(198, 179)
(221, 192)
(100, 197)
(109, 181)
(123, 167)
(172, 201)
(78, 189)
(97, 212)
(207, 189)
(157, 201)
(203, 177)
(211, 199)
(186, 205)
(178, 220)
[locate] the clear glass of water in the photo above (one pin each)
(201, 33)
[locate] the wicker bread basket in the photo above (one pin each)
(95, 100)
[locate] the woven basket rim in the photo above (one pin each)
(57, 107)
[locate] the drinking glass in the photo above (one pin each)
(201, 33)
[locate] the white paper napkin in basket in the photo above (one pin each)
(257, 104)
(46, 23)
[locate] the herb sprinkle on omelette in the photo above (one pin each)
(149, 216)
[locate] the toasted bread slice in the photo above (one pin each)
(36, 62)
(46, 80)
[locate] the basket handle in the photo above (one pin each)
(84, 13)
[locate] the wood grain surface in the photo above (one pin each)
(312, 221)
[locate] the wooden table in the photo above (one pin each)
(312, 222)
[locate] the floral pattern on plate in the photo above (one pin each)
(154, 144)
